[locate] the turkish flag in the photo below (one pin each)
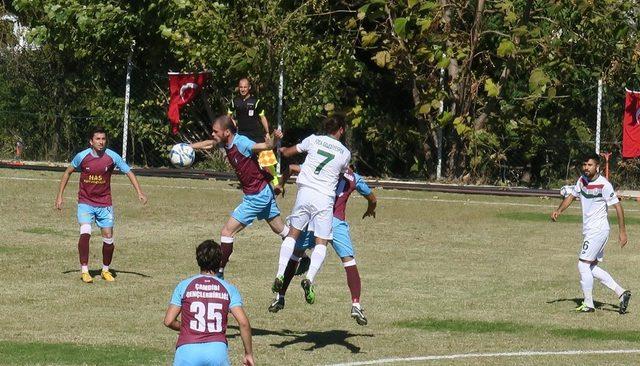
(631, 125)
(183, 88)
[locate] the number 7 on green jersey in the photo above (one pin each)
(327, 158)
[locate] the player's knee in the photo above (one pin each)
(85, 229)
(283, 233)
(226, 232)
(348, 262)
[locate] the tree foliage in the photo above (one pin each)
(510, 85)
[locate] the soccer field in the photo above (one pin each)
(444, 276)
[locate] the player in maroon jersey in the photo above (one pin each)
(259, 200)
(96, 164)
(203, 303)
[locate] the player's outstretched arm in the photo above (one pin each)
(134, 181)
(372, 202)
(622, 230)
(203, 145)
(566, 202)
(63, 184)
(245, 334)
(268, 143)
(171, 317)
(288, 152)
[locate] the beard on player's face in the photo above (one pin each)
(590, 170)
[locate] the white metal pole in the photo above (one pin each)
(127, 93)
(280, 92)
(599, 116)
(280, 97)
(440, 111)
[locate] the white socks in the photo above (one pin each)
(286, 251)
(283, 234)
(605, 278)
(586, 282)
(588, 272)
(317, 257)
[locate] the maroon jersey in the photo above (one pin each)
(241, 157)
(205, 302)
(95, 175)
(348, 183)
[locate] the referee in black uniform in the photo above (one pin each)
(249, 115)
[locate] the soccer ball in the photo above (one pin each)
(182, 155)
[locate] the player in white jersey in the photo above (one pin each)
(596, 195)
(327, 158)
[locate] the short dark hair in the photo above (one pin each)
(98, 129)
(226, 122)
(333, 124)
(208, 255)
(591, 156)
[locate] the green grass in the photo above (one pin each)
(441, 274)
(564, 218)
(42, 231)
(479, 327)
(30, 353)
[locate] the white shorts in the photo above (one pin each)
(313, 211)
(593, 246)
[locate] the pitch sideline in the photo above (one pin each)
(489, 355)
(464, 202)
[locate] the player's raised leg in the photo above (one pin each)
(317, 258)
(605, 278)
(344, 249)
(304, 242)
(286, 251)
(227, 235)
(355, 287)
(322, 223)
(278, 302)
(278, 226)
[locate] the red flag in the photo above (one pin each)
(183, 88)
(631, 125)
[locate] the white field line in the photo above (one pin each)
(464, 202)
(490, 355)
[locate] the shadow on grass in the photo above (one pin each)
(316, 339)
(114, 272)
(485, 327)
(599, 305)
(546, 217)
